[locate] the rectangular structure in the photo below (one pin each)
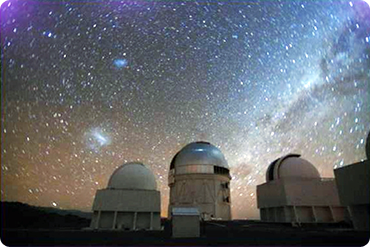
(353, 182)
(357, 175)
(126, 210)
(111, 200)
(185, 223)
(300, 200)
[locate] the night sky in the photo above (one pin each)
(88, 86)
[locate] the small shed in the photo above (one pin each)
(185, 223)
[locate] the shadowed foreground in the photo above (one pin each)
(213, 233)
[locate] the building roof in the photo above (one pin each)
(132, 176)
(291, 166)
(199, 153)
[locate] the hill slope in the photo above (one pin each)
(20, 215)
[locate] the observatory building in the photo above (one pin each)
(354, 190)
(130, 202)
(295, 192)
(199, 177)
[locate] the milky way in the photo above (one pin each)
(87, 86)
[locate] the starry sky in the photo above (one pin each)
(90, 85)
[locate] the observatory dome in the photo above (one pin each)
(199, 153)
(291, 166)
(134, 176)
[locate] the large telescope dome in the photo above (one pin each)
(291, 166)
(199, 153)
(200, 177)
(135, 176)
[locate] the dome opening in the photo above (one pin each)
(172, 166)
(291, 166)
(203, 142)
(270, 170)
(221, 170)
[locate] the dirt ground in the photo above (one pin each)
(212, 233)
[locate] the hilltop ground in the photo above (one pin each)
(213, 233)
(27, 225)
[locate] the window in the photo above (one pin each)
(221, 170)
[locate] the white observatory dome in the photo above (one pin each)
(199, 153)
(135, 176)
(291, 166)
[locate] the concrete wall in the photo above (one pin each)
(340, 213)
(323, 214)
(156, 221)
(185, 226)
(305, 214)
(94, 219)
(279, 214)
(125, 220)
(298, 192)
(127, 200)
(204, 191)
(271, 194)
(126, 210)
(360, 216)
(263, 214)
(106, 220)
(290, 214)
(311, 192)
(357, 195)
(358, 176)
(143, 220)
(300, 200)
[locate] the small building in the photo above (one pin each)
(353, 182)
(199, 177)
(185, 222)
(130, 202)
(295, 192)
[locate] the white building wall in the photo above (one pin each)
(185, 226)
(305, 214)
(127, 200)
(143, 220)
(271, 194)
(125, 220)
(126, 209)
(304, 192)
(300, 200)
(106, 220)
(323, 214)
(205, 191)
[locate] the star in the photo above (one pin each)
(88, 87)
